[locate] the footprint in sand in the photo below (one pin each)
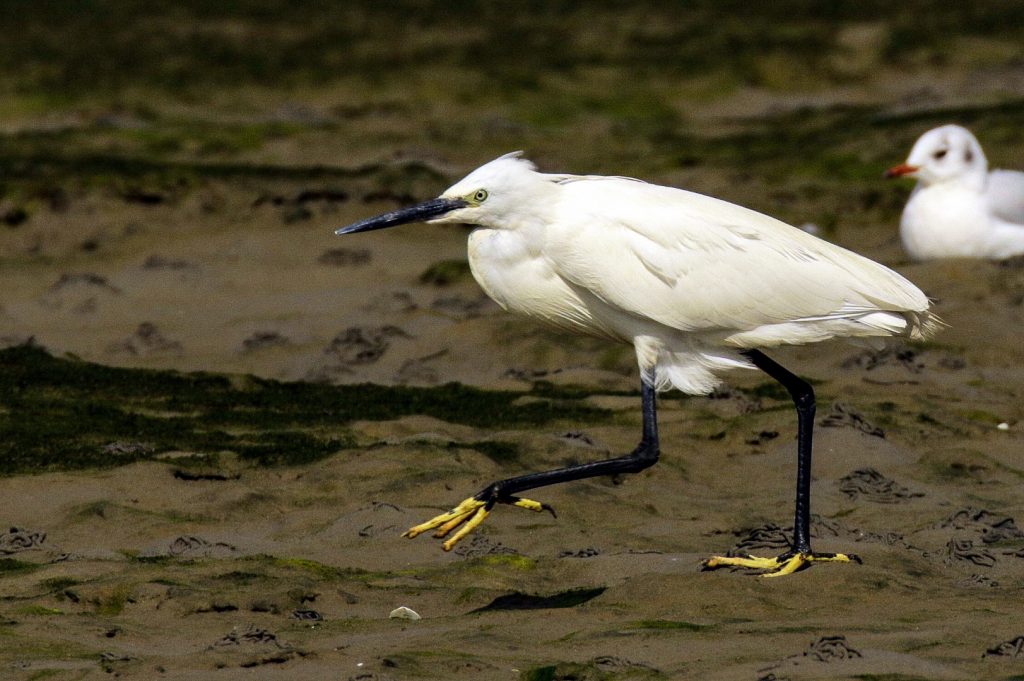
(992, 527)
(1012, 648)
(869, 484)
(845, 416)
(17, 539)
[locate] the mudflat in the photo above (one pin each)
(218, 418)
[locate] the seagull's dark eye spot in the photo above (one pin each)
(968, 155)
(480, 196)
(938, 155)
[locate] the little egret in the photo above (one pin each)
(695, 284)
(959, 208)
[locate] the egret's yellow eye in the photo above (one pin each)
(480, 196)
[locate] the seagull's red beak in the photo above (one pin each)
(901, 170)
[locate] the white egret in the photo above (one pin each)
(959, 208)
(695, 284)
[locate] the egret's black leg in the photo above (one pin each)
(800, 555)
(472, 511)
(645, 455)
(803, 397)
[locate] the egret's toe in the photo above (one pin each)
(779, 566)
(448, 520)
(469, 514)
(531, 505)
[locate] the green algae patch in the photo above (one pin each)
(67, 414)
(12, 566)
(38, 611)
(669, 625)
(512, 560)
(321, 570)
(150, 560)
(446, 272)
(982, 416)
(58, 583)
(769, 389)
(546, 673)
(241, 577)
(112, 602)
(506, 569)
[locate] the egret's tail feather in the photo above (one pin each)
(924, 325)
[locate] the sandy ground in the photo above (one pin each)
(241, 572)
(295, 570)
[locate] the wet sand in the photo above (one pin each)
(199, 564)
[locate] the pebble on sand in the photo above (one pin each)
(404, 613)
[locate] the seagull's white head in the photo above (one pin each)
(946, 154)
(499, 194)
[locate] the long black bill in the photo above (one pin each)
(418, 213)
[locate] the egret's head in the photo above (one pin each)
(944, 154)
(488, 196)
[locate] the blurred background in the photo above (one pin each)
(170, 176)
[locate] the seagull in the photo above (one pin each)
(695, 284)
(959, 208)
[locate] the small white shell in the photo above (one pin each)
(1003, 426)
(404, 613)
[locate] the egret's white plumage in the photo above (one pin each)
(695, 284)
(687, 279)
(959, 208)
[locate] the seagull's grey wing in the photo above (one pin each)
(1005, 195)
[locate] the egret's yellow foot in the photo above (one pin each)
(786, 564)
(470, 513)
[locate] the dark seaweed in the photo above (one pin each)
(59, 413)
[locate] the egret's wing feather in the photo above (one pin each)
(695, 263)
(1005, 195)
